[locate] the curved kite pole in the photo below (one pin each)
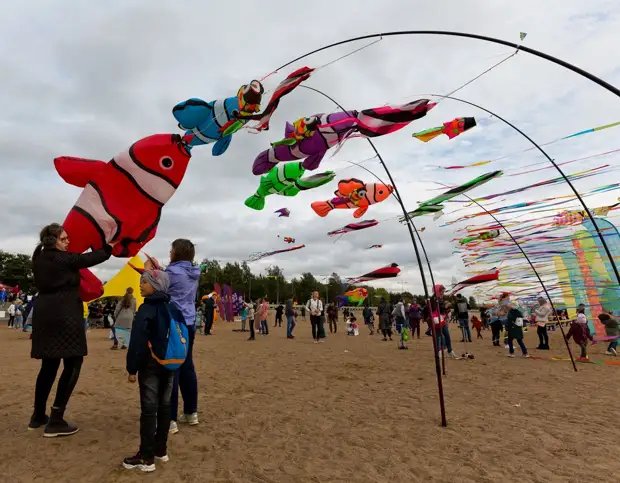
(522, 48)
(544, 153)
(444, 422)
(537, 53)
(570, 353)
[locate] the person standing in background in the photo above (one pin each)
(279, 313)
(315, 307)
(123, 317)
(289, 311)
(461, 309)
(208, 312)
(542, 313)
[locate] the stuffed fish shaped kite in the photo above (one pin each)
(451, 129)
(485, 235)
(309, 138)
(353, 193)
(122, 199)
(216, 121)
(286, 180)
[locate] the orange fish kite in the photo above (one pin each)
(353, 193)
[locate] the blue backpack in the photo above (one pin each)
(176, 348)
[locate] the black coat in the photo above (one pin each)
(58, 319)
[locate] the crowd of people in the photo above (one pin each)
(149, 332)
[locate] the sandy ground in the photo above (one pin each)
(354, 409)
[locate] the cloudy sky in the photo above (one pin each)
(89, 80)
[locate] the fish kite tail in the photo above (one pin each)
(256, 202)
(262, 164)
(428, 135)
(321, 208)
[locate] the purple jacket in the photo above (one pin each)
(183, 287)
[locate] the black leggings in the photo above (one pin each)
(252, 333)
(386, 333)
(496, 329)
(66, 383)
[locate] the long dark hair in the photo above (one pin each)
(47, 238)
(127, 298)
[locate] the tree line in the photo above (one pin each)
(16, 269)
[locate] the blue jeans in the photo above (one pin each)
(186, 379)
(443, 338)
(521, 344)
(464, 325)
(612, 345)
(290, 325)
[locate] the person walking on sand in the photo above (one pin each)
(415, 316)
(251, 316)
(369, 318)
(332, 318)
(58, 325)
(385, 323)
(542, 313)
(580, 332)
(461, 309)
(279, 313)
(514, 327)
(123, 317)
(315, 307)
(612, 329)
(208, 311)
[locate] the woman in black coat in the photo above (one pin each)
(58, 324)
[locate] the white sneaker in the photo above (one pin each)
(511, 355)
(608, 353)
(174, 429)
(613, 351)
(454, 356)
(191, 419)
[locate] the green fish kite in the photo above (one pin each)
(286, 179)
(435, 205)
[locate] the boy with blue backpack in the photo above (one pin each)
(157, 348)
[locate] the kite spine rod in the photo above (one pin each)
(520, 47)
(444, 422)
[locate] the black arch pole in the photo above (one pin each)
(522, 48)
(570, 353)
(544, 153)
(444, 422)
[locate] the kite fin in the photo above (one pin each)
(288, 129)
(256, 202)
(191, 113)
(438, 215)
(312, 162)
(360, 212)
(221, 146)
(284, 142)
(77, 171)
(321, 208)
(290, 191)
(429, 134)
(315, 181)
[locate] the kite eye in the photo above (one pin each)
(380, 192)
(166, 162)
(256, 86)
(245, 88)
(361, 192)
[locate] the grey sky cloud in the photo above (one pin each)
(89, 82)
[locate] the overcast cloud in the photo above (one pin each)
(89, 79)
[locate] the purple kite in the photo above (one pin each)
(312, 138)
(283, 212)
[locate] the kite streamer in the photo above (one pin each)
(260, 255)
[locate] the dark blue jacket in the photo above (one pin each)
(151, 325)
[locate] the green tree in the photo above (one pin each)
(16, 269)
(472, 303)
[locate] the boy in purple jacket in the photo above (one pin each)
(184, 277)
